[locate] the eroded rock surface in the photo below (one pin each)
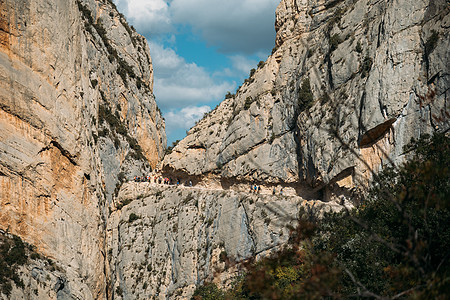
(168, 239)
(348, 84)
(76, 113)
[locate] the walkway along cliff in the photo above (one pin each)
(348, 84)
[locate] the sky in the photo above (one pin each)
(200, 49)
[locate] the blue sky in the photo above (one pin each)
(200, 50)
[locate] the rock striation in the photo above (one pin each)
(348, 84)
(77, 113)
(165, 240)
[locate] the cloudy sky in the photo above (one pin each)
(200, 49)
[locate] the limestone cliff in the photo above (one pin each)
(77, 112)
(348, 84)
(165, 240)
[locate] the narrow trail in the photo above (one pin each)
(242, 187)
(303, 191)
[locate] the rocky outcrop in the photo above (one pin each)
(76, 113)
(346, 87)
(165, 240)
(348, 84)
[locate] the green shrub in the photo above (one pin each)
(133, 217)
(208, 291)
(229, 95)
(124, 203)
(325, 98)
(119, 291)
(305, 95)
(104, 132)
(223, 256)
(13, 254)
(366, 66)
(248, 103)
(358, 47)
(272, 138)
(431, 42)
(395, 243)
(94, 83)
(334, 42)
(121, 177)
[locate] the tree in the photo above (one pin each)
(395, 244)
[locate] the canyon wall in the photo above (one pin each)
(77, 113)
(164, 240)
(348, 84)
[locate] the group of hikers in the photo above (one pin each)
(256, 189)
(160, 180)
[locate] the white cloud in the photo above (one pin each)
(184, 118)
(179, 83)
(242, 64)
(234, 27)
(165, 60)
(150, 17)
(244, 26)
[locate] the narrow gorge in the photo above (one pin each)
(348, 84)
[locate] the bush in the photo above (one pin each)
(431, 42)
(366, 66)
(248, 103)
(358, 47)
(119, 291)
(229, 95)
(124, 203)
(334, 42)
(121, 177)
(394, 245)
(104, 132)
(94, 83)
(13, 254)
(223, 256)
(208, 291)
(133, 217)
(305, 95)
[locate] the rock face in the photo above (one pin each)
(168, 239)
(76, 113)
(349, 83)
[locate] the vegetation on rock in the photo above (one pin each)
(305, 95)
(394, 245)
(13, 254)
